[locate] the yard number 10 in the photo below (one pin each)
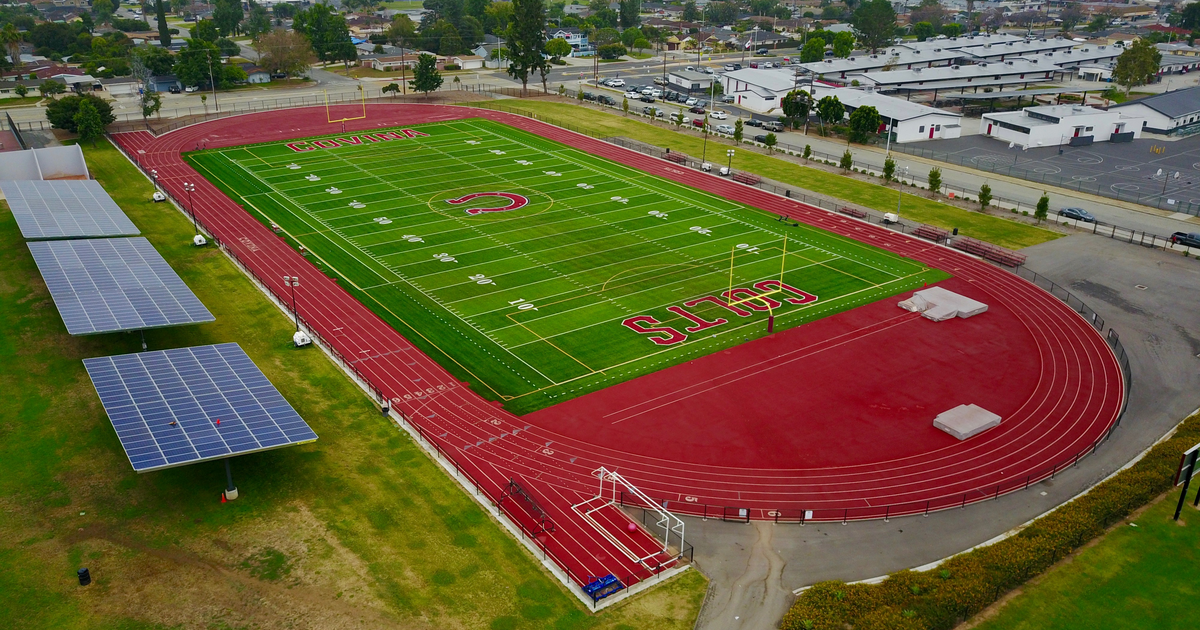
(522, 305)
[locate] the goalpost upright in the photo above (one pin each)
(329, 115)
(729, 301)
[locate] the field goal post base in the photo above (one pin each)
(329, 115)
(667, 521)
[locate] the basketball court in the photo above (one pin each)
(1128, 170)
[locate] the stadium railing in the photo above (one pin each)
(781, 514)
(16, 131)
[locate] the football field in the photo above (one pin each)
(537, 272)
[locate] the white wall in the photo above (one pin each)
(1155, 121)
(917, 129)
(1103, 127)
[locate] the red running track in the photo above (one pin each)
(834, 416)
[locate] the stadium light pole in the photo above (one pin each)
(154, 176)
(191, 209)
(292, 282)
(729, 166)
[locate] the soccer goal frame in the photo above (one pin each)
(329, 115)
(612, 482)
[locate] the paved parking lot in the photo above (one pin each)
(1143, 170)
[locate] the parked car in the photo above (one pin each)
(616, 83)
(753, 64)
(691, 101)
(737, 66)
(659, 81)
(701, 103)
(588, 96)
(753, 122)
(690, 68)
(174, 89)
(727, 98)
(646, 90)
(608, 100)
(762, 137)
(191, 88)
(718, 114)
(725, 129)
(698, 122)
(633, 96)
(768, 65)
(646, 98)
(656, 93)
(729, 67)
(773, 125)
(762, 51)
(697, 110)
(1079, 214)
(1186, 239)
(708, 70)
(647, 111)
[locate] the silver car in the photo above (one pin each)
(725, 129)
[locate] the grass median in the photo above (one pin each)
(359, 528)
(1002, 232)
(1140, 575)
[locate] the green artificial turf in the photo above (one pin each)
(358, 528)
(1142, 575)
(528, 305)
(1002, 232)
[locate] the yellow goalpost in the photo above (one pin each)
(329, 115)
(730, 301)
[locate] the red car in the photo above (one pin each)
(699, 122)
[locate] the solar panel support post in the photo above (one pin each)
(231, 491)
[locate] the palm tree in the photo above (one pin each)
(11, 39)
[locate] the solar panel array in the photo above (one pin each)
(108, 285)
(65, 209)
(176, 407)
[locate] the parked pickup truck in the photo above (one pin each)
(1188, 240)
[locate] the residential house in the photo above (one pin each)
(255, 74)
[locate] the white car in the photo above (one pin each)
(633, 96)
(685, 120)
(656, 93)
(691, 101)
(718, 114)
(616, 83)
(648, 91)
(192, 88)
(725, 129)
(768, 65)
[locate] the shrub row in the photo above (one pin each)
(966, 584)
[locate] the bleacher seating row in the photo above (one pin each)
(853, 212)
(989, 251)
(677, 158)
(746, 178)
(931, 233)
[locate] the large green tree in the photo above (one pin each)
(690, 12)
(426, 77)
(1138, 65)
(874, 24)
(206, 31)
(227, 14)
(830, 110)
(284, 52)
(814, 50)
(259, 21)
(61, 113)
(796, 104)
(164, 29)
(199, 63)
(864, 122)
(628, 11)
(89, 124)
(527, 40)
(558, 48)
(326, 30)
(843, 45)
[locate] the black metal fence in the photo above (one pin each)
(16, 131)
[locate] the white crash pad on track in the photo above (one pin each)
(965, 421)
(939, 304)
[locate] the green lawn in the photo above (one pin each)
(1142, 577)
(359, 526)
(541, 303)
(984, 227)
(20, 101)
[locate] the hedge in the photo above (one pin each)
(964, 585)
